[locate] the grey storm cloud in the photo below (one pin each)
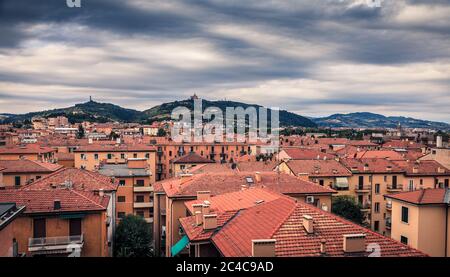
(327, 54)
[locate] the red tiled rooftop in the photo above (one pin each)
(42, 201)
(422, 196)
(78, 179)
(196, 233)
(318, 167)
(27, 149)
(116, 148)
(191, 158)
(253, 166)
(306, 154)
(379, 154)
(281, 220)
(423, 168)
(28, 166)
(374, 165)
(219, 183)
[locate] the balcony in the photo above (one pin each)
(394, 188)
(366, 207)
(163, 212)
(143, 188)
(388, 223)
(363, 188)
(63, 244)
(140, 205)
(388, 206)
(149, 219)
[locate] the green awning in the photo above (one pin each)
(74, 215)
(180, 245)
(342, 182)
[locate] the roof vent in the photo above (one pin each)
(354, 243)
(258, 176)
(388, 168)
(56, 204)
(366, 167)
(197, 208)
(263, 247)
(205, 208)
(415, 169)
(308, 224)
(249, 180)
(198, 218)
(257, 202)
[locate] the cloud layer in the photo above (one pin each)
(311, 57)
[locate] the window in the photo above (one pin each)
(421, 181)
(403, 239)
(38, 177)
(361, 181)
(75, 227)
(147, 155)
(121, 183)
(139, 198)
(411, 185)
(405, 216)
(321, 182)
(135, 155)
(96, 156)
(385, 178)
(377, 188)
(377, 207)
(17, 181)
(83, 156)
(376, 225)
(446, 183)
(170, 153)
(140, 213)
(140, 183)
(39, 228)
(122, 156)
(120, 198)
(109, 156)
(120, 214)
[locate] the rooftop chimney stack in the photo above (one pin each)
(366, 167)
(203, 195)
(258, 176)
(209, 221)
(205, 207)
(415, 170)
(56, 204)
(439, 141)
(101, 193)
(263, 248)
(308, 224)
(90, 141)
(354, 243)
(198, 218)
(197, 208)
(322, 246)
(440, 170)
(388, 168)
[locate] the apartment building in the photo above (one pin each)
(8, 214)
(90, 156)
(18, 173)
(32, 152)
(328, 173)
(166, 151)
(177, 191)
(59, 222)
(281, 227)
(184, 164)
(421, 219)
(371, 179)
(424, 174)
(439, 154)
(135, 190)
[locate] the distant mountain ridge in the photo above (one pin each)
(105, 112)
(372, 120)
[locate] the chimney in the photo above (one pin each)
(118, 141)
(415, 169)
(198, 218)
(322, 246)
(263, 247)
(366, 167)
(209, 221)
(258, 176)
(439, 141)
(56, 204)
(440, 170)
(101, 193)
(203, 195)
(205, 207)
(90, 141)
(354, 243)
(308, 224)
(197, 208)
(388, 168)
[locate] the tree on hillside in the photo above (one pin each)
(161, 132)
(133, 237)
(347, 207)
(80, 134)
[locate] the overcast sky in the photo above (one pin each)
(314, 58)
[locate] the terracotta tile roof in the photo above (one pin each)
(28, 166)
(219, 183)
(65, 156)
(362, 143)
(237, 200)
(257, 166)
(422, 196)
(42, 201)
(27, 149)
(212, 168)
(402, 144)
(379, 154)
(78, 179)
(423, 168)
(191, 158)
(196, 233)
(374, 166)
(116, 148)
(318, 168)
(281, 220)
(306, 154)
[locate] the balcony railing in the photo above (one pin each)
(391, 188)
(143, 205)
(366, 206)
(143, 188)
(388, 205)
(54, 243)
(388, 223)
(363, 188)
